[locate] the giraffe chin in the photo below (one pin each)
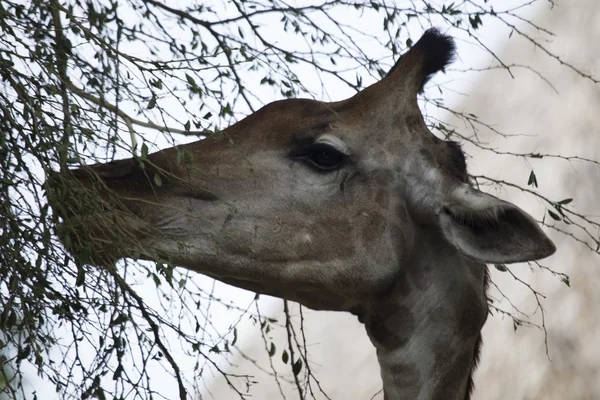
(102, 239)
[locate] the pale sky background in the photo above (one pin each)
(469, 56)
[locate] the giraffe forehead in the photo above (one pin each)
(377, 140)
(345, 121)
(276, 125)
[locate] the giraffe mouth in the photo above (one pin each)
(94, 225)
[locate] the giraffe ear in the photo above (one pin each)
(431, 54)
(491, 230)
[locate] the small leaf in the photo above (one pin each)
(475, 21)
(565, 279)
(190, 80)
(235, 337)
(80, 276)
(501, 267)
(24, 353)
(565, 201)
(84, 255)
(118, 372)
(532, 180)
(157, 180)
(144, 151)
(135, 255)
(297, 367)
(226, 110)
(152, 103)
(121, 319)
(285, 357)
(554, 215)
(358, 81)
(11, 320)
(272, 350)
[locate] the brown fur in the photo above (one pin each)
(478, 344)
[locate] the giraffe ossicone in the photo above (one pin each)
(351, 205)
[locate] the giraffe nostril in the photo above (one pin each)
(202, 194)
(134, 209)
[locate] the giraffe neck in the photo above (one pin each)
(426, 328)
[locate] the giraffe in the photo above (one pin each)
(349, 206)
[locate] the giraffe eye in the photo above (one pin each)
(321, 156)
(325, 157)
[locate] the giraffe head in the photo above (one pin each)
(321, 203)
